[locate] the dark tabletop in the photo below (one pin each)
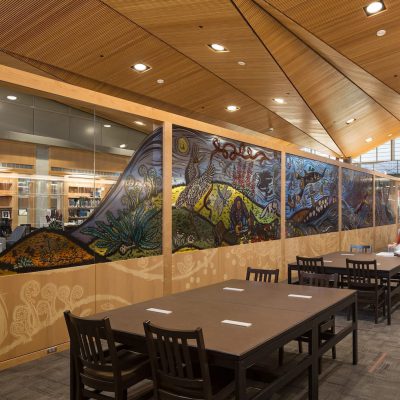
(338, 260)
(266, 306)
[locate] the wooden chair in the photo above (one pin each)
(327, 328)
(180, 367)
(262, 275)
(363, 277)
(101, 366)
(313, 265)
(360, 248)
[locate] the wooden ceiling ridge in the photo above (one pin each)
(336, 151)
(387, 97)
(330, 83)
(341, 152)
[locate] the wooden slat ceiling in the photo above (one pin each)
(288, 54)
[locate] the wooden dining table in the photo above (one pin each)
(263, 318)
(388, 266)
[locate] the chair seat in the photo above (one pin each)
(134, 366)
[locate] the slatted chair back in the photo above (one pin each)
(179, 363)
(313, 265)
(94, 349)
(361, 273)
(321, 280)
(262, 275)
(360, 248)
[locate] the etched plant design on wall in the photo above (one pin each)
(224, 192)
(385, 201)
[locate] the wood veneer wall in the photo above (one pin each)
(31, 305)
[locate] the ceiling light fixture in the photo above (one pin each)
(160, 81)
(241, 63)
(107, 126)
(390, 134)
(140, 123)
(219, 48)
(232, 108)
(123, 145)
(350, 121)
(12, 98)
(374, 8)
(368, 140)
(140, 67)
(279, 100)
(381, 33)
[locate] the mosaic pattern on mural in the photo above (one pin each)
(224, 192)
(357, 199)
(385, 201)
(311, 197)
(126, 224)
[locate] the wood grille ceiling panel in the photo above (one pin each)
(72, 35)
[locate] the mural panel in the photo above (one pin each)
(357, 199)
(311, 197)
(385, 201)
(126, 224)
(224, 192)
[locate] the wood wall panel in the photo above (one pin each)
(384, 235)
(268, 255)
(195, 269)
(356, 236)
(123, 282)
(32, 305)
(19, 153)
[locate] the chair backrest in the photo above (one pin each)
(321, 280)
(179, 363)
(362, 273)
(360, 248)
(93, 347)
(262, 275)
(310, 264)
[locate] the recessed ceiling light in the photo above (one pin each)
(160, 81)
(368, 140)
(123, 145)
(12, 98)
(374, 8)
(271, 129)
(381, 32)
(279, 100)
(350, 121)
(390, 134)
(140, 67)
(219, 48)
(232, 108)
(242, 63)
(140, 123)
(107, 126)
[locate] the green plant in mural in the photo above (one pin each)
(23, 262)
(136, 229)
(56, 225)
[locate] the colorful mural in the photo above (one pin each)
(357, 199)
(224, 192)
(311, 197)
(126, 224)
(385, 201)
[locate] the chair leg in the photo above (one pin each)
(376, 310)
(334, 353)
(281, 353)
(300, 346)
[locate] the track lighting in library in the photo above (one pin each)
(219, 48)
(368, 140)
(232, 108)
(374, 8)
(122, 146)
(107, 126)
(381, 33)
(140, 67)
(350, 121)
(12, 98)
(140, 123)
(279, 100)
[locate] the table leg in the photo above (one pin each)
(240, 382)
(289, 278)
(313, 370)
(72, 377)
(355, 333)
(389, 301)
